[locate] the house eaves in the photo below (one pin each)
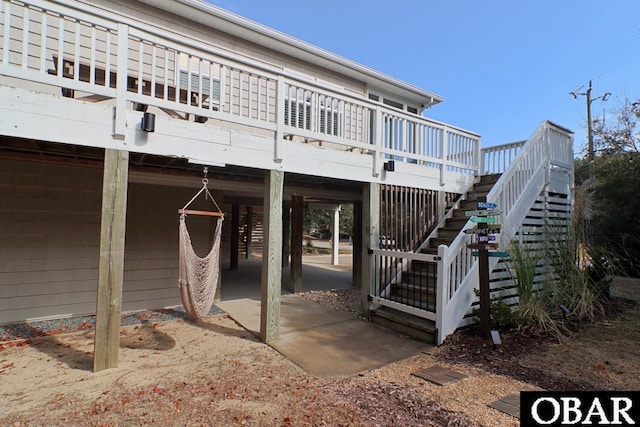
(243, 28)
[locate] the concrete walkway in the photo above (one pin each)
(323, 341)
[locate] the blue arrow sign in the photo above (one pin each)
(487, 238)
(486, 205)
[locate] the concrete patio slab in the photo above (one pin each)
(325, 342)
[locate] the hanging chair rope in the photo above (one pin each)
(198, 277)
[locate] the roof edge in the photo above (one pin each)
(270, 33)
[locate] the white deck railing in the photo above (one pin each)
(498, 158)
(514, 193)
(101, 56)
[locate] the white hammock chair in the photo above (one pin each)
(198, 277)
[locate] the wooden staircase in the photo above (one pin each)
(415, 285)
(453, 225)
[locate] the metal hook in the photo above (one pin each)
(205, 180)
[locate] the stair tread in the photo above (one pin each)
(405, 319)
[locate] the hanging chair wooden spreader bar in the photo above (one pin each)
(205, 213)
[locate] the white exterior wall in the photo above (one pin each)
(50, 228)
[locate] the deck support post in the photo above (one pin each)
(356, 253)
(111, 263)
(249, 235)
(297, 212)
(271, 256)
(370, 239)
(335, 241)
(235, 236)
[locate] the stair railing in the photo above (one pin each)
(514, 193)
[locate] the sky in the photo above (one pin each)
(502, 66)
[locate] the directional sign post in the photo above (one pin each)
(485, 233)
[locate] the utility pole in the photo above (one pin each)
(592, 173)
(590, 150)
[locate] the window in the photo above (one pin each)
(298, 113)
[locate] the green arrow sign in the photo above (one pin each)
(484, 219)
(493, 254)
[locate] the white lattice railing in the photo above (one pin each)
(92, 52)
(514, 193)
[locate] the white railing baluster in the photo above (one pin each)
(140, 66)
(121, 80)
(43, 42)
(25, 38)
(76, 47)
(61, 46)
(92, 59)
(166, 75)
(154, 64)
(107, 65)
(280, 119)
(6, 22)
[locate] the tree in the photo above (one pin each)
(615, 222)
(316, 219)
(623, 134)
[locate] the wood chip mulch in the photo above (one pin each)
(466, 347)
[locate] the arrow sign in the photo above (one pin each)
(483, 231)
(488, 238)
(482, 246)
(484, 219)
(494, 254)
(486, 205)
(483, 212)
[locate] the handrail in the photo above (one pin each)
(120, 58)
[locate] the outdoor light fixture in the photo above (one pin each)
(390, 166)
(149, 122)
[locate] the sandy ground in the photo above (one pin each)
(217, 373)
(49, 381)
